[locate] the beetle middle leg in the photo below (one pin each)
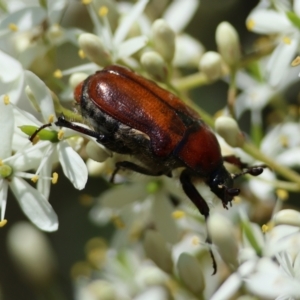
(201, 204)
(136, 168)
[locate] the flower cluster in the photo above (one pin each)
(158, 248)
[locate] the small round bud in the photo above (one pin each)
(287, 217)
(222, 233)
(190, 273)
(96, 152)
(229, 130)
(228, 43)
(94, 49)
(163, 39)
(77, 78)
(31, 253)
(155, 66)
(211, 65)
(157, 250)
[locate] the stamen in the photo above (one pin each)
(35, 178)
(250, 24)
(6, 99)
(282, 194)
(178, 214)
(86, 2)
(51, 119)
(54, 178)
(13, 27)
(103, 11)
(81, 54)
(3, 223)
(58, 74)
(60, 134)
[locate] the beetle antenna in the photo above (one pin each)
(254, 171)
(31, 138)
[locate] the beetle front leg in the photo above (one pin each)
(200, 203)
(136, 168)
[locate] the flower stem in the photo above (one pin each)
(190, 81)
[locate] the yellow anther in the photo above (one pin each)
(35, 140)
(51, 119)
(60, 135)
(54, 178)
(296, 62)
(81, 54)
(265, 228)
(6, 99)
(282, 194)
(35, 178)
(118, 222)
(287, 40)
(3, 223)
(1, 162)
(178, 214)
(195, 241)
(284, 141)
(250, 24)
(86, 2)
(86, 200)
(13, 27)
(57, 74)
(103, 11)
(237, 200)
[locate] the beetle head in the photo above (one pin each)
(221, 184)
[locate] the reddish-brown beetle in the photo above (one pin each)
(132, 115)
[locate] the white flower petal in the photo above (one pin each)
(131, 46)
(73, 166)
(188, 51)
(162, 217)
(123, 195)
(179, 13)
(25, 18)
(280, 61)
(128, 20)
(296, 7)
(10, 69)
(41, 94)
(34, 205)
(55, 10)
(268, 22)
(6, 129)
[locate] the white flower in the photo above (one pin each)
(13, 170)
(267, 21)
(139, 204)
(72, 164)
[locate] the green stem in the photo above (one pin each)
(191, 81)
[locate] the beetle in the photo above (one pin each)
(132, 115)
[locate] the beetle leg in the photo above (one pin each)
(201, 204)
(134, 167)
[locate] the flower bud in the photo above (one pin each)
(100, 289)
(163, 39)
(190, 273)
(223, 236)
(157, 250)
(228, 43)
(211, 65)
(97, 152)
(229, 130)
(77, 78)
(154, 64)
(287, 217)
(31, 253)
(94, 49)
